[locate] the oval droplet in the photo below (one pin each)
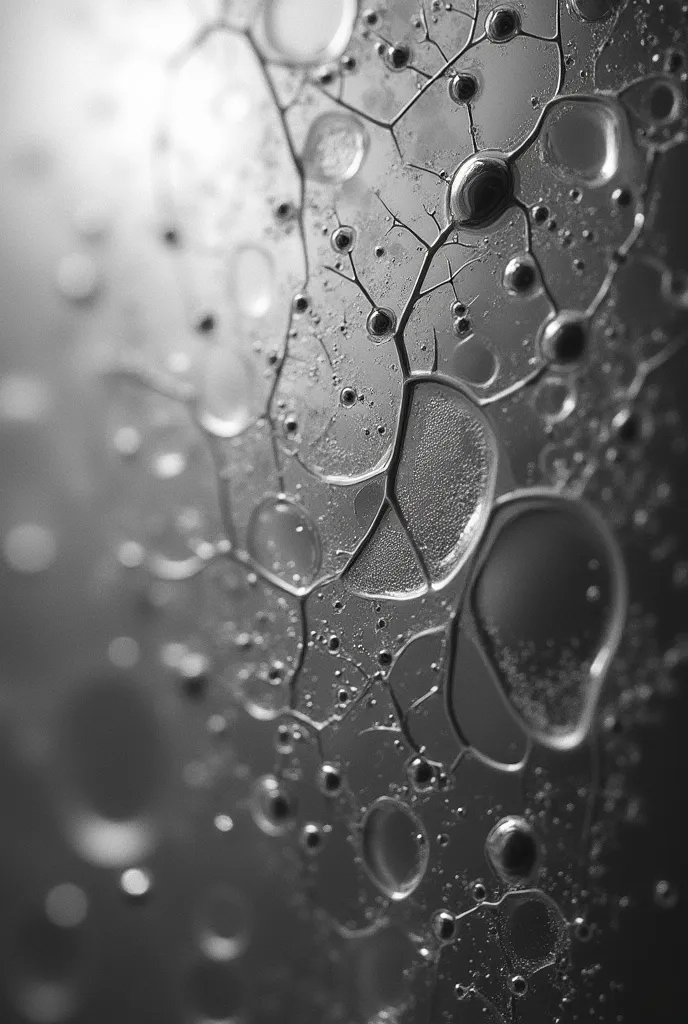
(335, 148)
(252, 278)
(550, 600)
(395, 847)
(283, 538)
(581, 140)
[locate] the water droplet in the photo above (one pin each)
(223, 923)
(594, 10)
(23, 399)
(555, 399)
(335, 148)
(564, 338)
(394, 846)
(473, 362)
(309, 31)
(78, 277)
(29, 548)
(284, 539)
(481, 189)
(273, 808)
(550, 645)
(252, 280)
(521, 275)
(114, 769)
(136, 883)
(66, 905)
(227, 391)
(502, 24)
(513, 850)
(581, 140)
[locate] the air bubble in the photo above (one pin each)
(283, 538)
(343, 239)
(335, 148)
(226, 391)
(463, 87)
(394, 846)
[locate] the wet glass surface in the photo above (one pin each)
(343, 559)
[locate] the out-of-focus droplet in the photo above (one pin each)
(29, 548)
(335, 148)
(78, 277)
(23, 399)
(309, 31)
(223, 923)
(252, 280)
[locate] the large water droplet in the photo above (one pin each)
(581, 140)
(395, 847)
(283, 538)
(550, 601)
(335, 148)
(309, 31)
(446, 477)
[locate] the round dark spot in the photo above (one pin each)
(347, 396)
(565, 338)
(384, 658)
(381, 322)
(502, 24)
(662, 102)
(397, 56)
(520, 275)
(462, 88)
(284, 210)
(206, 323)
(300, 303)
(462, 326)
(478, 891)
(421, 774)
(330, 779)
(343, 238)
(622, 197)
(518, 985)
(444, 925)
(540, 214)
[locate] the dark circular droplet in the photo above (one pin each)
(397, 56)
(381, 322)
(463, 87)
(518, 985)
(481, 189)
(564, 339)
(627, 426)
(540, 214)
(502, 24)
(330, 779)
(300, 303)
(343, 238)
(513, 850)
(347, 396)
(444, 925)
(622, 197)
(520, 275)
(206, 324)
(421, 774)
